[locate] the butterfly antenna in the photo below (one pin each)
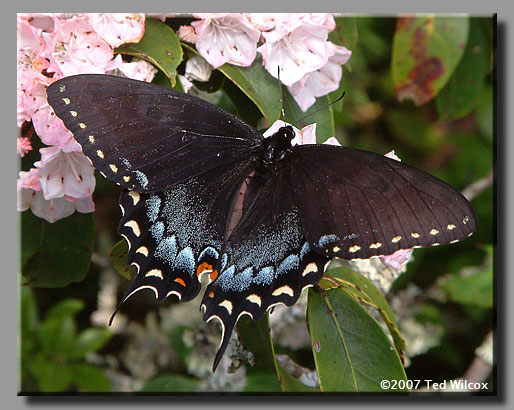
(320, 109)
(281, 98)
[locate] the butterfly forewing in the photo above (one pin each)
(370, 205)
(147, 137)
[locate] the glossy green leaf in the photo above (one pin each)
(426, 51)
(363, 289)
(261, 380)
(90, 340)
(118, 258)
(256, 337)
(89, 378)
(170, 383)
(52, 376)
(346, 33)
(56, 254)
(258, 85)
(463, 91)
(159, 46)
(351, 351)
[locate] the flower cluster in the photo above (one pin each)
(49, 47)
(297, 43)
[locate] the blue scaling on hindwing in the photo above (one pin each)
(185, 261)
(153, 205)
(167, 250)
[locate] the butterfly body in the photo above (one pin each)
(184, 163)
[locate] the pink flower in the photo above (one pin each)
(118, 28)
(23, 146)
(163, 16)
(47, 125)
(136, 69)
(187, 33)
(29, 61)
(21, 114)
(322, 81)
(75, 48)
(226, 38)
(297, 46)
(65, 173)
(186, 84)
(397, 259)
(266, 21)
(29, 180)
(51, 210)
(392, 155)
(198, 69)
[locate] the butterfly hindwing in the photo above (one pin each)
(370, 205)
(267, 259)
(176, 235)
(144, 136)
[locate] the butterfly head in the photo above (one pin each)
(278, 145)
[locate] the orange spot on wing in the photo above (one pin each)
(211, 294)
(180, 281)
(202, 268)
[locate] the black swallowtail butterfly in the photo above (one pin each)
(182, 162)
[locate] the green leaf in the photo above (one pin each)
(28, 315)
(256, 337)
(56, 254)
(66, 307)
(177, 343)
(28, 327)
(261, 380)
(57, 333)
(52, 376)
(485, 113)
(345, 33)
(351, 351)
(159, 46)
(258, 85)
(365, 292)
(90, 340)
(89, 378)
(324, 118)
(56, 336)
(463, 91)
(426, 51)
(475, 289)
(170, 383)
(118, 258)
